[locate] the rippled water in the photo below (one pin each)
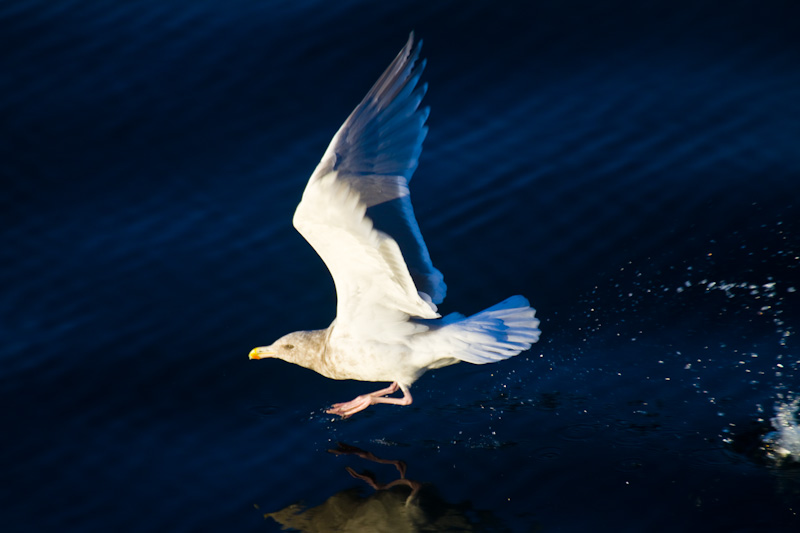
(632, 168)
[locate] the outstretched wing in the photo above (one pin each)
(367, 166)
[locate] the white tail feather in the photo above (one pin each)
(494, 334)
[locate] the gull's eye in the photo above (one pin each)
(288, 346)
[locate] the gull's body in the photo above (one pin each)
(357, 214)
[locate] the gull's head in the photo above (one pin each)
(284, 348)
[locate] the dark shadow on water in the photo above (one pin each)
(398, 505)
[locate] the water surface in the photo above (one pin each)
(632, 168)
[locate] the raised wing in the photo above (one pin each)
(368, 165)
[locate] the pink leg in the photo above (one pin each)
(388, 390)
(360, 403)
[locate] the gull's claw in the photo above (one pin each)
(350, 408)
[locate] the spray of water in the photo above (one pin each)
(783, 444)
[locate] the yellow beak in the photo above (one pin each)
(261, 352)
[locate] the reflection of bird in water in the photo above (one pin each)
(357, 215)
(400, 506)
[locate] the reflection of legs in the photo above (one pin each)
(360, 403)
(369, 477)
(347, 449)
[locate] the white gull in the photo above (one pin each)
(356, 213)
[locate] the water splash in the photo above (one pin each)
(783, 444)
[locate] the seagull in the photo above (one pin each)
(356, 213)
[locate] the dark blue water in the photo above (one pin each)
(633, 168)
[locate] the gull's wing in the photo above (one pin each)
(368, 165)
(376, 152)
